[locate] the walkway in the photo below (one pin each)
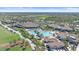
(77, 49)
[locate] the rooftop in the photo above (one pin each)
(30, 24)
(55, 43)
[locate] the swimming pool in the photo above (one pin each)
(33, 32)
(44, 33)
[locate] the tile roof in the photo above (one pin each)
(55, 43)
(30, 24)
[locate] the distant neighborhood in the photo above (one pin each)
(39, 32)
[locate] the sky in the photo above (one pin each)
(39, 9)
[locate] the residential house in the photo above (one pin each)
(73, 40)
(30, 25)
(61, 28)
(54, 44)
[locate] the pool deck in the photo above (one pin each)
(44, 33)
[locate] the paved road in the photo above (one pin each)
(17, 32)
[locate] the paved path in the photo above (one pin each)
(77, 49)
(17, 32)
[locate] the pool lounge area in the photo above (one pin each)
(44, 33)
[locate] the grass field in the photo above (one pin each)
(17, 48)
(7, 36)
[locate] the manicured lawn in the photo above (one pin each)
(7, 36)
(2, 49)
(17, 48)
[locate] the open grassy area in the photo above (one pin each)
(7, 36)
(18, 48)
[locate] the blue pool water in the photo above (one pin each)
(45, 33)
(33, 33)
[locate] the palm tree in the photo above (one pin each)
(24, 33)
